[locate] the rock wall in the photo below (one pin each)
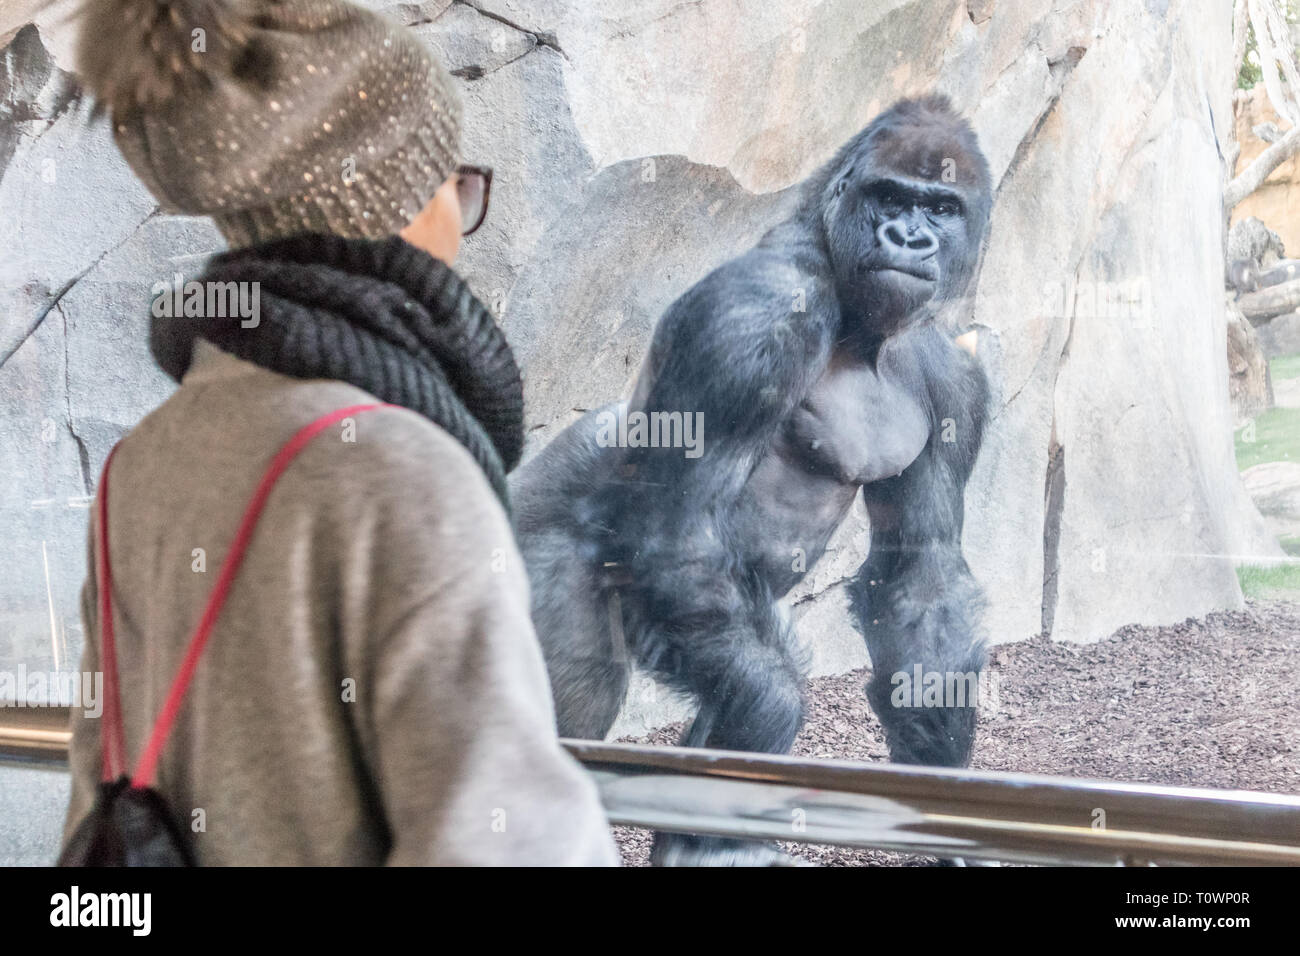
(1277, 201)
(639, 144)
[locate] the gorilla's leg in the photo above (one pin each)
(577, 624)
(918, 613)
(918, 607)
(747, 678)
(576, 616)
(718, 636)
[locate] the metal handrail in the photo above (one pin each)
(37, 734)
(972, 814)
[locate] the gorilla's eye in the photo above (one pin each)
(891, 201)
(945, 208)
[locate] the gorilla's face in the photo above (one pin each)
(904, 216)
(900, 242)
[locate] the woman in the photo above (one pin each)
(372, 691)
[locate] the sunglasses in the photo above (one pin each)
(473, 185)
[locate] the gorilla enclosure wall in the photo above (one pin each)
(639, 147)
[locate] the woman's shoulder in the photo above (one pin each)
(404, 445)
(226, 423)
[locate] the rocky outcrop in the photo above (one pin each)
(639, 144)
(1280, 335)
(1277, 201)
(1261, 277)
(1275, 488)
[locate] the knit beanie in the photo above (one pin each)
(274, 117)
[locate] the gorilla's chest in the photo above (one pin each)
(857, 425)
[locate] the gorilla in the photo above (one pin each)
(1246, 275)
(820, 364)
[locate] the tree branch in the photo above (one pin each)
(1254, 175)
(1240, 18)
(1266, 303)
(1274, 47)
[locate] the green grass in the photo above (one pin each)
(1277, 438)
(1277, 431)
(1284, 367)
(1281, 580)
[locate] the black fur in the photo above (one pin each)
(914, 598)
(640, 554)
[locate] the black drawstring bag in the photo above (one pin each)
(127, 826)
(131, 823)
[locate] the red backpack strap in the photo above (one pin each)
(147, 767)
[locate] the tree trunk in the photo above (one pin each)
(1266, 303)
(1249, 385)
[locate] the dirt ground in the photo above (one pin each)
(1209, 702)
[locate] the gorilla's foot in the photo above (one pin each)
(683, 849)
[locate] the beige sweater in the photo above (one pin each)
(373, 692)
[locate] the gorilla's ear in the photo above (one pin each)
(843, 182)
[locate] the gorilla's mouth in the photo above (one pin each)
(928, 277)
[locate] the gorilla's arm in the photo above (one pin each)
(742, 346)
(914, 598)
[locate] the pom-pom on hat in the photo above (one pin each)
(274, 117)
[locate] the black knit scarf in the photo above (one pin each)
(379, 314)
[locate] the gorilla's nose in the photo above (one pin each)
(906, 241)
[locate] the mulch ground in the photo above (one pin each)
(1209, 702)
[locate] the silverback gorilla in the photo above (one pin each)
(821, 366)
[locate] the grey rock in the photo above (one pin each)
(1280, 335)
(1286, 393)
(979, 10)
(66, 198)
(32, 91)
(661, 223)
(44, 483)
(1274, 486)
(649, 705)
(112, 381)
(541, 18)
(75, 369)
(517, 121)
(1250, 239)
(471, 45)
(410, 13)
(825, 629)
